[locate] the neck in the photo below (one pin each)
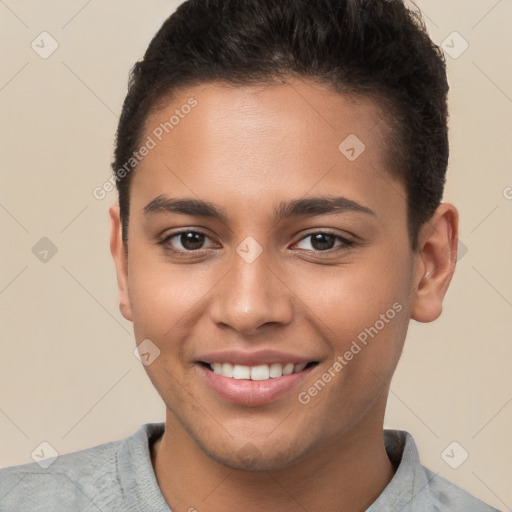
(343, 474)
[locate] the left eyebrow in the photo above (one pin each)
(319, 206)
(286, 209)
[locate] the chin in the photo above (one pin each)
(252, 458)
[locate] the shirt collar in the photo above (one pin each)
(138, 481)
(136, 474)
(410, 484)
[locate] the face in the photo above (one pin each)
(300, 255)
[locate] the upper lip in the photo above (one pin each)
(254, 358)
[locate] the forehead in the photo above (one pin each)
(250, 142)
(284, 112)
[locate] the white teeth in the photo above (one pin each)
(260, 372)
(288, 369)
(241, 372)
(299, 367)
(227, 369)
(276, 370)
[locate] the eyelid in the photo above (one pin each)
(327, 231)
(345, 240)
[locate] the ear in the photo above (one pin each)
(120, 261)
(435, 262)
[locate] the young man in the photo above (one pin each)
(280, 168)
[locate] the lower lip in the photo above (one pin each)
(253, 392)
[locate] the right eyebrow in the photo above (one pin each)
(194, 207)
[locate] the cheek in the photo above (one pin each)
(361, 312)
(351, 297)
(165, 298)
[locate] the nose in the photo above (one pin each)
(251, 295)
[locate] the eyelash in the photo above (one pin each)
(346, 243)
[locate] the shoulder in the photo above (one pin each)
(78, 479)
(88, 479)
(415, 488)
(446, 495)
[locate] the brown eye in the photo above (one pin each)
(323, 241)
(191, 240)
(185, 241)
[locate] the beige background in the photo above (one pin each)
(68, 375)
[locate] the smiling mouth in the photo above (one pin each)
(259, 372)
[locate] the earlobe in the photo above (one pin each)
(435, 262)
(120, 261)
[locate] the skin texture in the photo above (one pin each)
(246, 149)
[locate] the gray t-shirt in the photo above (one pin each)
(118, 476)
